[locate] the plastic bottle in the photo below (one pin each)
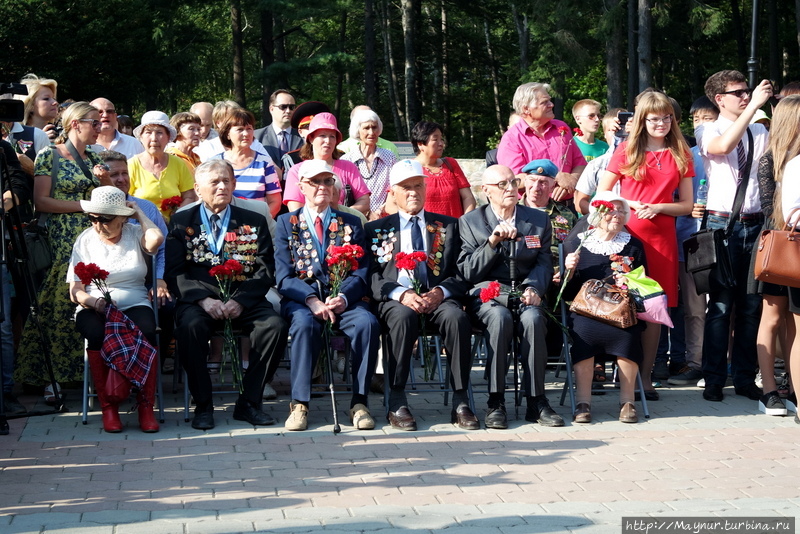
(702, 192)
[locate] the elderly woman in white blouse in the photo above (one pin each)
(373, 162)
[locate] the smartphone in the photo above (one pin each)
(624, 117)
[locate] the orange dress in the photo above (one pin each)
(658, 186)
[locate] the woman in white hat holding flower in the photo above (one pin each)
(155, 174)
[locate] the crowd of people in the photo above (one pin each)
(285, 231)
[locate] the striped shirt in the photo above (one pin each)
(257, 180)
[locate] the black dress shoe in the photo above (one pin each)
(496, 418)
(463, 417)
(649, 394)
(539, 411)
(713, 393)
(751, 391)
(203, 420)
(402, 419)
(244, 411)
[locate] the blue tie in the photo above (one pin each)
(419, 246)
(214, 226)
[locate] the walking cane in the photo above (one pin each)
(326, 339)
(513, 306)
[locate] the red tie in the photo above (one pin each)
(318, 228)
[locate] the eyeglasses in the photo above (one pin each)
(100, 218)
(592, 116)
(284, 107)
(505, 184)
(95, 123)
(617, 213)
(660, 120)
(108, 111)
(327, 182)
(738, 93)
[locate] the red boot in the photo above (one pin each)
(145, 400)
(111, 422)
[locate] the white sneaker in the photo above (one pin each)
(269, 392)
(701, 383)
(298, 417)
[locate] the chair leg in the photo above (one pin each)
(640, 388)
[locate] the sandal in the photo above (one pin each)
(49, 395)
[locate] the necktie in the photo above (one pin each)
(284, 144)
(742, 157)
(214, 226)
(418, 245)
(318, 228)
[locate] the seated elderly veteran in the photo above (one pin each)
(490, 235)
(304, 242)
(399, 305)
(539, 183)
(206, 235)
(122, 249)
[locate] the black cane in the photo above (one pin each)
(513, 305)
(326, 339)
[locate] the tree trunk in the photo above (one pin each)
(267, 59)
(434, 103)
(409, 39)
(643, 48)
(446, 72)
(280, 48)
(394, 95)
(337, 107)
(633, 63)
(523, 37)
(614, 84)
(738, 32)
(370, 85)
(493, 71)
(238, 53)
(774, 46)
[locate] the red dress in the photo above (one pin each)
(658, 186)
(443, 189)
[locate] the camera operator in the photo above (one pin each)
(17, 191)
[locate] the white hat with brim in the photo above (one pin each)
(404, 170)
(158, 118)
(610, 196)
(107, 200)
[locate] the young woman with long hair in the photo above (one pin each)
(651, 166)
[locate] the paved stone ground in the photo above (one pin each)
(692, 458)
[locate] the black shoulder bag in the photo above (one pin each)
(706, 252)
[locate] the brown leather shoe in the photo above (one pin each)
(402, 419)
(627, 413)
(464, 418)
(583, 413)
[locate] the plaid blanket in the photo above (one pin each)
(125, 349)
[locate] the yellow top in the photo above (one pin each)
(175, 179)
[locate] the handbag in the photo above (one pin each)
(706, 251)
(778, 255)
(606, 303)
(36, 234)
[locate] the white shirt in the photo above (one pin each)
(790, 196)
(40, 139)
(722, 172)
(405, 246)
(124, 144)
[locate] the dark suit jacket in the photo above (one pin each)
(269, 139)
(290, 249)
(383, 276)
(187, 274)
(479, 264)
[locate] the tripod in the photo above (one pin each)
(11, 226)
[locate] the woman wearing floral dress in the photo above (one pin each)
(65, 221)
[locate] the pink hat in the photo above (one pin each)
(323, 121)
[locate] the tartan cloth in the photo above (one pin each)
(125, 349)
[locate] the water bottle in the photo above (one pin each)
(702, 192)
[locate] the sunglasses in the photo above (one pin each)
(105, 219)
(316, 183)
(738, 93)
(284, 107)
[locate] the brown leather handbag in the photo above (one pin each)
(778, 257)
(606, 303)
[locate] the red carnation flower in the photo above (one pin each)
(490, 292)
(603, 204)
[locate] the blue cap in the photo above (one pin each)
(541, 167)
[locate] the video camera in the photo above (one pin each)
(12, 110)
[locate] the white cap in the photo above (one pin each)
(314, 167)
(405, 169)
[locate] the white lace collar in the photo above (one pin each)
(605, 248)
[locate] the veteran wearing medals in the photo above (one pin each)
(412, 229)
(491, 235)
(201, 237)
(304, 242)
